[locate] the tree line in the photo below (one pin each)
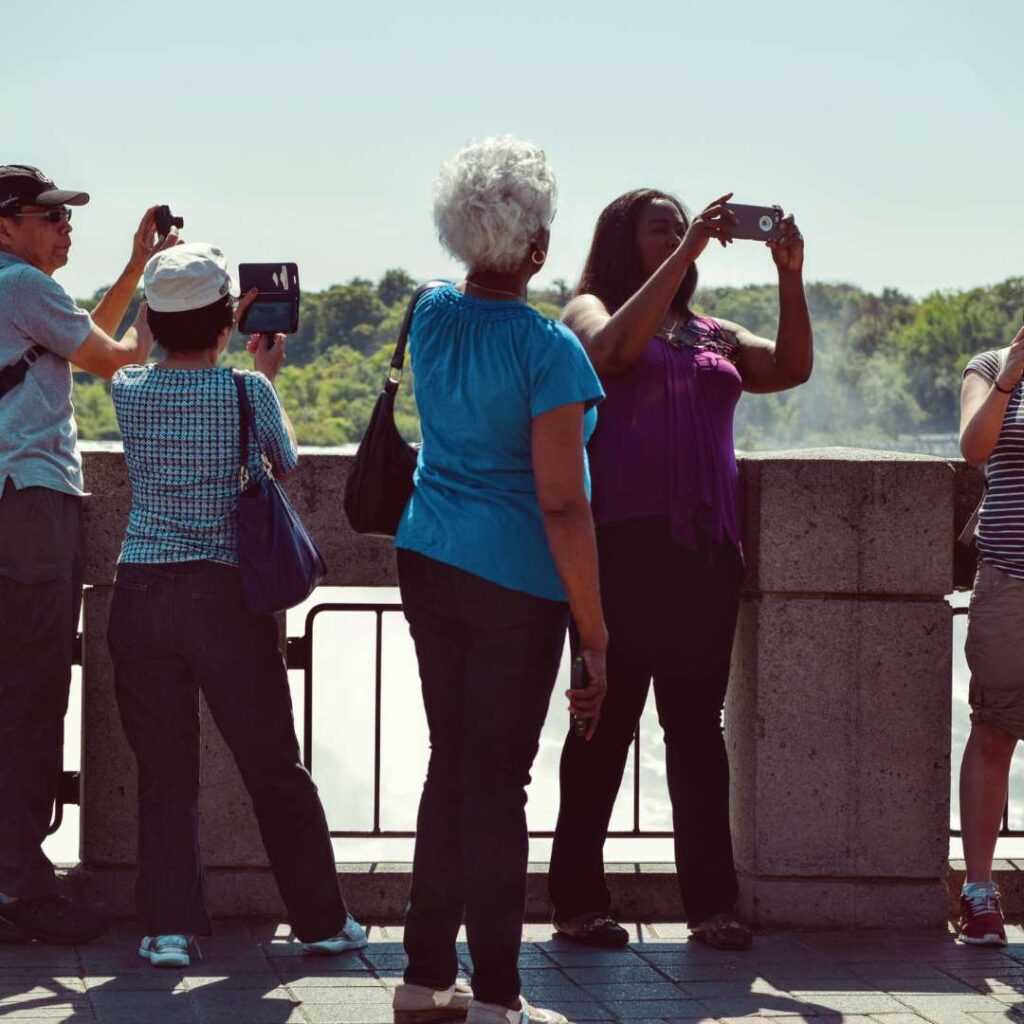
(887, 366)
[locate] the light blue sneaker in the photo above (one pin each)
(166, 950)
(352, 936)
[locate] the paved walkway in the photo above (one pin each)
(253, 974)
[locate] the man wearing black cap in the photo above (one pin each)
(42, 332)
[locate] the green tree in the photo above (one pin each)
(343, 308)
(395, 286)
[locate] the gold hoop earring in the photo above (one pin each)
(541, 253)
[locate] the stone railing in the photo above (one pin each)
(838, 719)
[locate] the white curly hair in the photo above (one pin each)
(491, 200)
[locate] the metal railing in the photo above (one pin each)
(69, 785)
(300, 655)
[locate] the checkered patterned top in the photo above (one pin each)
(180, 433)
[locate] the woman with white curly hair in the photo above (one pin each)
(495, 548)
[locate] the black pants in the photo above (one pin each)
(488, 658)
(40, 598)
(176, 629)
(671, 614)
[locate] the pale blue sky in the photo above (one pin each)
(312, 131)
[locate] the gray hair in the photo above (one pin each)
(491, 200)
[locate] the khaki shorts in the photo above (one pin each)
(995, 650)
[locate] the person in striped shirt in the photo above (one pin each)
(992, 435)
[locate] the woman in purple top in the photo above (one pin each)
(665, 505)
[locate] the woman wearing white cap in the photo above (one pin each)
(178, 624)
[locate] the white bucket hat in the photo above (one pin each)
(187, 276)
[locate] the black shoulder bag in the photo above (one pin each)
(381, 480)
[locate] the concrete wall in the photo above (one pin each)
(837, 723)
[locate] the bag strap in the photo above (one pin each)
(244, 413)
(394, 377)
(14, 373)
(247, 429)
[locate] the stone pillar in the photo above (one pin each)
(838, 720)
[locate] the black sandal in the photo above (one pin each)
(723, 931)
(603, 932)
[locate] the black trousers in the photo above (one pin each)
(488, 658)
(671, 615)
(176, 629)
(40, 598)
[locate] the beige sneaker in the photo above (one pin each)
(417, 1004)
(495, 1013)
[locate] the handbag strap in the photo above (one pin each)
(247, 426)
(244, 414)
(394, 377)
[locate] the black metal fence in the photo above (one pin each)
(300, 656)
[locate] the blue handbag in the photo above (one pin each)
(278, 561)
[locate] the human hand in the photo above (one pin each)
(268, 352)
(144, 340)
(713, 221)
(788, 248)
(1009, 376)
(147, 243)
(586, 704)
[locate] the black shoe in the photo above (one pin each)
(592, 930)
(55, 919)
(723, 931)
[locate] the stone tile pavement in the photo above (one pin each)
(252, 973)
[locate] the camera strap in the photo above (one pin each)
(14, 373)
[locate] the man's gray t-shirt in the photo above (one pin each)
(38, 437)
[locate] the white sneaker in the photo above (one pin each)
(495, 1013)
(352, 936)
(166, 950)
(418, 1004)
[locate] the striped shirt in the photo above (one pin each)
(180, 433)
(1000, 532)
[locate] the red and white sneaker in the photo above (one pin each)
(981, 916)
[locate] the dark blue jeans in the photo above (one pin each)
(175, 630)
(488, 659)
(671, 615)
(40, 597)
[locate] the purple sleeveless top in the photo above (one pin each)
(664, 439)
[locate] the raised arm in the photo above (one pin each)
(110, 310)
(983, 404)
(99, 354)
(268, 353)
(786, 362)
(615, 341)
(557, 451)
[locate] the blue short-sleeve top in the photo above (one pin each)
(181, 446)
(483, 370)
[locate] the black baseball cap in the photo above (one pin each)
(22, 185)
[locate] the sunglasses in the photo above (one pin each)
(55, 216)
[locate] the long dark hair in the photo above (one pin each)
(613, 271)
